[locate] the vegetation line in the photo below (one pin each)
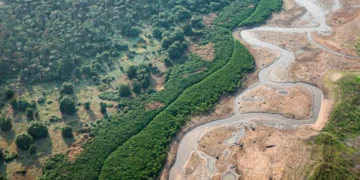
(337, 159)
(142, 156)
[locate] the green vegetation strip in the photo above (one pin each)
(116, 130)
(337, 158)
(263, 11)
(143, 155)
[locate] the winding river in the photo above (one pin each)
(190, 140)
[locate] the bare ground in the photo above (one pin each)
(222, 110)
(206, 52)
(262, 153)
(294, 102)
(346, 29)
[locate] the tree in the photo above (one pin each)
(176, 50)
(188, 30)
(136, 87)
(38, 130)
(67, 132)
(5, 123)
(166, 42)
(23, 141)
(9, 93)
(132, 72)
(183, 14)
(67, 105)
(103, 107)
(196, 22)
(124, 90)
(29, 113)
(67, 88)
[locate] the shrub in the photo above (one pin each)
(87, 105)
(67, 88)
(67, 132)
(132, 72)
(124, 90)
(29, 113)
(23, 141)
(67, 105)
(103, 107)
(9, 93)
(10, 156)
(5, 123)
(38, 130)
(22, 104)
(136, 87)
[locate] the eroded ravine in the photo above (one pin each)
(189, 142)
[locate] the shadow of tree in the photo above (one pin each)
(72, 120)
(43, 148)
(9, 136)
(69, 141)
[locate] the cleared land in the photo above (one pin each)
(294, 102)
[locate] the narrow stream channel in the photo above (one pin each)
(190, 140)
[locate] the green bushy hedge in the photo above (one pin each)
(263, 10)
(112, 133)
(142, 156)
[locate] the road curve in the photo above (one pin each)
(190, 140)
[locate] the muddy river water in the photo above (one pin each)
(189, 142)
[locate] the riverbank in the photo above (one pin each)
(196, 162)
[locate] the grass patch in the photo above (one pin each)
(337, 158)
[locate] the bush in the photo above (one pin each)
(67, 132)
(23, 141)
(5, 123)
(38, 130)
(124, 90)
(132, 72)
(29, 113)
(196, 22)
(9, 93)
(67, 88)
(22, 104)
(87, 105)
(103, 107)
(67, 105)
(136, 87)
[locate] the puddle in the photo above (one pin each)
(229, 176)
(235, 137)
(283, 92)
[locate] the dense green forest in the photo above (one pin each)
(337, 157)
(80, 40)
(49, 40)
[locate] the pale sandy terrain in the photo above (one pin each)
(260, 153)
(294, 102)
(346, 26)
(292, 15)
(248, 152)
(222, 110)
